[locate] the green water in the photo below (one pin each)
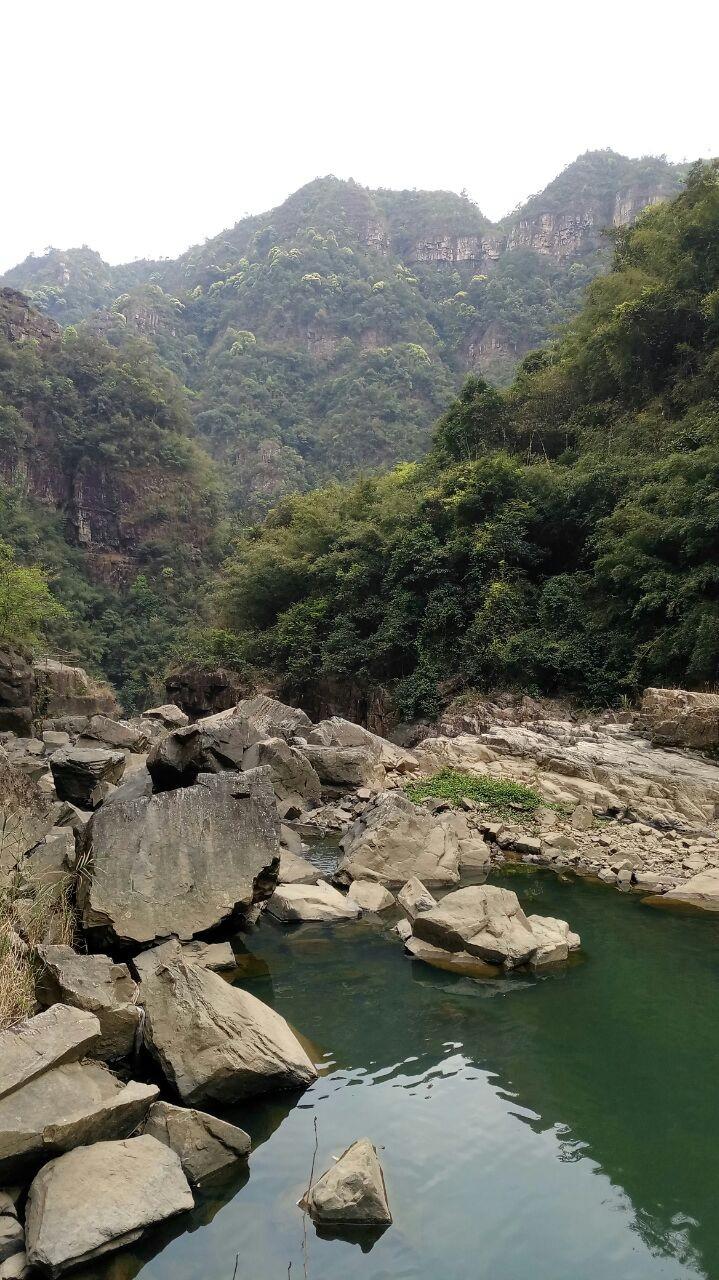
(560, 1128)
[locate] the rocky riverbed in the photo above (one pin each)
(131, 848)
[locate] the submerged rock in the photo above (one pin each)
(204, 1144)
(98, 985)
(215, 1042)
(395, 840)
(182, 861)
(97, 1199)
(298, 902)
(352, 1192)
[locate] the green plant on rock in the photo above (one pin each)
(500, 795)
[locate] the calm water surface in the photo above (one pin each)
(558, 1128)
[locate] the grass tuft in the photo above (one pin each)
(498, 794)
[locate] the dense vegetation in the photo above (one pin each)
(324, 338)
(562, 535)
(102, 491)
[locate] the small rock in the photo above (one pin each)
(414, 898)
(353, 1191)
(370, 896)
(300, 902)
(204, 1144)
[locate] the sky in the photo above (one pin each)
(140, 127)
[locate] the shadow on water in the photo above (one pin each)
(550, 1127)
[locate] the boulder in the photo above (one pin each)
(168, 715)
(336, 732)
(403, 929)
(370, 896)
(450, 961)
(61, 690)
(181, 756)
(303, 902)
(352, 1192)
(293, 778)
(217, 956)
(295, 870)
(555, 940)
(25, 815)
(700, 891)
(395, 840)
(270, 718)
(79, 774)
(345, 766)
(414, 898)
(115, 733)
(68, 1106)
(182, 861)
(51, 862)
(483, 920)
(204, 1144)
(678, 718)
(98, 985)
(49, 1039)
(97, 1199)
(215, 1042)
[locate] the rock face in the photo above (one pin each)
(99, 1198)
(488, 923)
(116, 734)
(337, 732)
(676, 718)
(395, 840)
(370, 896)
(204, 1144)
(178, 759)
(215, 1042)
(293, 777)
(181, 861)
(25, 814)
(700, 891)
(17, 692)
(68, 1106)
(352, 1192)
(99, 986)
(70, 691)
(201, 693)
(49, 1039)
(79, 774)
(292, 903)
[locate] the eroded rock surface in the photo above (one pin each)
(678, 718)
(181, 861)
(353, 1191)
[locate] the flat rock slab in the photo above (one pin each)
(68, 1106)
(700, 891)
(352, 1192)
(215, 1042)
(450, 961)
(204, 1144)
(32, 1047)
(98, 985)
(182, 861)
(292, 903)
(97, 1199)
(217, 956)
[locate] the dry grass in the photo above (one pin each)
(42, 912)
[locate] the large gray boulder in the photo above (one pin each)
(346, 766)
(370, 896)
(100, 986)
(293, 777)
(80, 774)
(97, 1199)
(336, 732)
(49, 1039)
(266, 716)
(181, 756)
(352, 1192)
(679, 718)
(204, 1144)
(395, 840)
(482, 920)
(700, 892)
(167, 715)
(293, 903)
(295, 870)
(555, 939)
(214, 1042)
(25, 815)
(115, 733)
(62, 690)
(68, 1106)
(182, 861)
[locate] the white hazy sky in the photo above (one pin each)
(140, 127)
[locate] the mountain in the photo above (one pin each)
(325, 337)
(562, 536)
(102, 485)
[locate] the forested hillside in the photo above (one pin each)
(562, 535)
(325, 337)
(102, 486)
